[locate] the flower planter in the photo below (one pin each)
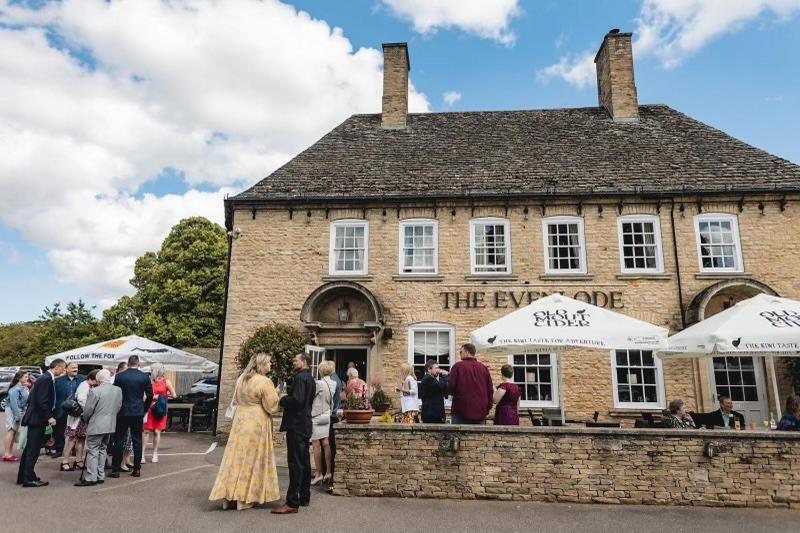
(380, 409)
(358, 416)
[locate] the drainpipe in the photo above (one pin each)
(224, 320)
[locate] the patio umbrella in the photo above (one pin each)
(557, 323)
(761, 326)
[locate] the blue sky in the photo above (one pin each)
(120, 119)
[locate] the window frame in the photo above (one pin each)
(432, 326)
(401, 245)
(738, 258)
(656, 220)
(660, 390)
(546, 222)
(350, 222)
(473, 256)
(554, 366)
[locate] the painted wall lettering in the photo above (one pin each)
(512, 299)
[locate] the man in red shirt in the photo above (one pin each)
(471, 387)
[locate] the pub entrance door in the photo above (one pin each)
(342, 356)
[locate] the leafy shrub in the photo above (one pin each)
(282, 342)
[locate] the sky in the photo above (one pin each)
(119, 118)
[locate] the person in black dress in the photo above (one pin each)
(432, 390)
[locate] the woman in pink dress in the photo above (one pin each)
(507, 396)
(161, 387)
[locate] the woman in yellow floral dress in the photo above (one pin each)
(248, 475)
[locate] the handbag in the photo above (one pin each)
(72, 407)
(159, 409)
(230, 412)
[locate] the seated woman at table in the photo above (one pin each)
(507, 396)
(791, 418)
(677, 417)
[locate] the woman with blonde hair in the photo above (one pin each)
(163, 391)
(409, 395)
(321, 421)
(248, 475)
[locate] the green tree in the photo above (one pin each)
(64, 328)
(179, 290)
(16, 344)
(279, 340)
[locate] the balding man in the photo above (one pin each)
(101, 410)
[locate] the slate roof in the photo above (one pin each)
(517, 153)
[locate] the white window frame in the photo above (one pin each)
(418, 222)
(737, 257)
(553, 376)
(331, 250)
(583, 269)
(656, 221)
(472, 255)
(433, 326)
(660, 404)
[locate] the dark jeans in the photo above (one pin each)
(135, 424)
(458, 420)
(58, 434)
(30, 455)
(299, 460)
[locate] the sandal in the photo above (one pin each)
(327, 480)
(78, 465)
(65, 467)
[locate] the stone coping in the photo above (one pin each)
(556, 430)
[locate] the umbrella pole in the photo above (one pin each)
(561, 390)
(774, 380)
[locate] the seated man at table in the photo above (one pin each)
(725, 417)
(676, 416)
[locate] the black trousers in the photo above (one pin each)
(299, 460)
(30, 455)
(58, 434)
(124, 423)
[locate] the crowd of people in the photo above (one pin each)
(676, 416)
(82, 419)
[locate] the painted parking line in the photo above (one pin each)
(160, 476)
(208, 451)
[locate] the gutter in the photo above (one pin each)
(224, 321)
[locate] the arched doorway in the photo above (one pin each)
(743, 379)
(345, 320)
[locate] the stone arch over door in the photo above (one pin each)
(709, 302)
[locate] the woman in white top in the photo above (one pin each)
(409, 396)
(321, 422)
(75, 432)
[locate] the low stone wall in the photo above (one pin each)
(586, 465)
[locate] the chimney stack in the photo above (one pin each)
(394, 112)
(616, 88)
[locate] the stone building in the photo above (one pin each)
(395, 235)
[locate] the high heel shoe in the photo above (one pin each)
(316, 481)
(327, 480)
(241, 506)
(226, 504)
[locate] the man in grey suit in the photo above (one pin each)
(102, 406)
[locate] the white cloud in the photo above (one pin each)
(576, 70)
(672, 30)
(222, 92)
(451, 97)
(486, 19)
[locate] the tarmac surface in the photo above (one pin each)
(172, 495)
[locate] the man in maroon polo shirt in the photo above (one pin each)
(471, 387)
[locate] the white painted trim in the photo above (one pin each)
(582, 241)
(489, 220)
(660, 390)
(401, 248)
(739, 266)
(555, 382)
(332, 257)
(659, 244)
(432, 326)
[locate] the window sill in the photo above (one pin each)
(347, 277)
(421, 277)
(633, 412)
(566, 277)
(644, 275)
(723, 275)
(492, 277)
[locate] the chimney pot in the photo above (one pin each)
(616, 87)
(394, 110)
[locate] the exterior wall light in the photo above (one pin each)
(344, 312)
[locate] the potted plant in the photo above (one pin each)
(356, 409)
(380, 401)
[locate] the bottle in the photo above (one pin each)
(772, 424)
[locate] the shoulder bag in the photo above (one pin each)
(230, 412)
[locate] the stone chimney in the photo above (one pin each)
(394, 112)
(616, 88)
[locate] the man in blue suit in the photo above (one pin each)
(137, 395)
(38, 415)
(66, 386)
